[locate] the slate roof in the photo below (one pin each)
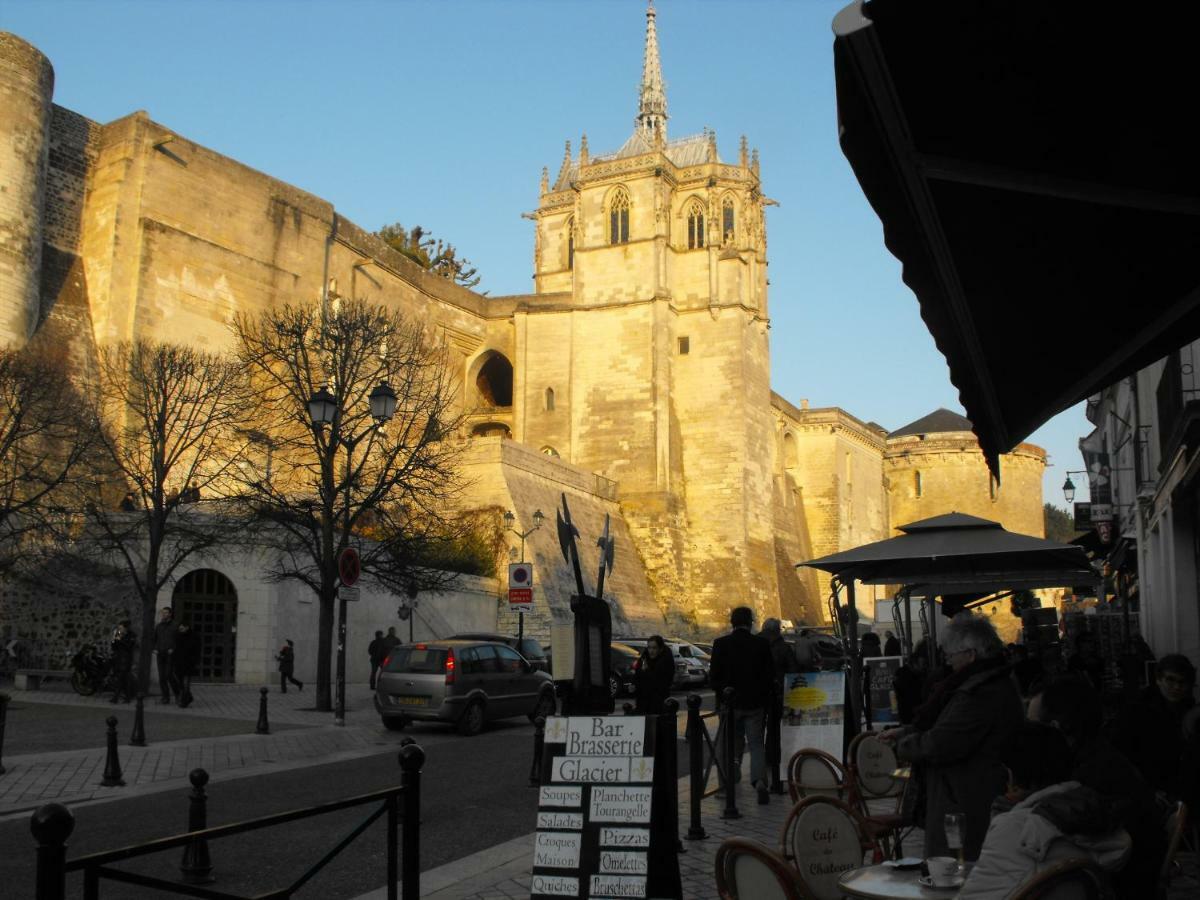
(939, 421)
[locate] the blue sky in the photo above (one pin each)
(444, 113)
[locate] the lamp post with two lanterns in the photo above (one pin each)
(509, 520)
(327, 417)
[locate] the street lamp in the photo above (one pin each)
(509, 520)
(1069, 486)
(322, 409)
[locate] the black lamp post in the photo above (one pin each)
(509, 519)
(323, 409)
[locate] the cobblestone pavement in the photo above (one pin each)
(74, 776)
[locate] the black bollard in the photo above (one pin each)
(263, 727)
(112, 762)
(539, 741)
(695, 739)
(196, 865)
(669, 733)
(4, 698)
(51, 825)
(729, 748)
(138, 738)
(412, 758)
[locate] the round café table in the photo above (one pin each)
(890, 883)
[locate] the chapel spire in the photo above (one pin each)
(652, 108)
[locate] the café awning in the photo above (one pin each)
(1037, 172)
(958, 554)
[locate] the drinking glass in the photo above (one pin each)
(953, 823)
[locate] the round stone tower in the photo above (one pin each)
(934, 466)
(26, 87)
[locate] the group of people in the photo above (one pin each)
(176, 651)
(379, 649)
(1040, 773)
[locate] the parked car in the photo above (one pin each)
(620, 668)
(528, 647)
(467, 683)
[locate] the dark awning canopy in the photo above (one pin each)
(1037, 172)
(958, 554)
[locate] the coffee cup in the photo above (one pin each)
(943, 870)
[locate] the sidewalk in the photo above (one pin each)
(74, 776)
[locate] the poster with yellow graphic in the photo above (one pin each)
(813, 712)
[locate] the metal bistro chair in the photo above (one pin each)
(746, 870)
(1177, 825)
(815, 773)
(824, 838)
(869, 766)
(1071, 879)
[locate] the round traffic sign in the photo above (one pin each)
(349, 566)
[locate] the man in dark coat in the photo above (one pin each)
(1150, 732)
(965, 727)
(184, 659)
(124, 642)
(653, 673)
(783, 659)
(1073, 706)
(287, 666)
(164, 645)
(742, 661)
(377, 650)
(891, 644)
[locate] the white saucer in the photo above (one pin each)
(927, 882)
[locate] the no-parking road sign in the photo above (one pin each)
(520, 585)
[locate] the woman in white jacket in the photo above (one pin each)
(1042, 820)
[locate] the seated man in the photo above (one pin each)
(1150, 731)
(1042, 819)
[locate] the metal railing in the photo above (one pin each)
(52, 825)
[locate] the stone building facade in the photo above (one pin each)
(636, 377)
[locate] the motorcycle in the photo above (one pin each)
(93, 670)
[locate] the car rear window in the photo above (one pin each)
(531, 649)
(416, 660)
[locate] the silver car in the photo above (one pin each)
(465, 682)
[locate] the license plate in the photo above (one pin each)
(411, 701)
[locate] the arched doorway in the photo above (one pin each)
(207, 600)
(494, 381)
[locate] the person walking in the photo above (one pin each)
(653, 674)
(891, 644)
(164, 645)
(287, 665)
(184, 660)
(124, 642)
(377, 651)
(742, 661)
(784, 662)
(390, 640)
(960, 733)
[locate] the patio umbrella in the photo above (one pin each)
(1034, 167)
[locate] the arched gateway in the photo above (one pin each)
(208, 601)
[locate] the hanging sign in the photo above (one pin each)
(600, 832)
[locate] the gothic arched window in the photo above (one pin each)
(695, 222)
(618, 218)
(571, 243)
(727, 222)
(549, 399)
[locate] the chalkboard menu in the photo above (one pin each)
(602, 830)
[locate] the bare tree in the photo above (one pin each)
(380, 480)
(44, 436)
(174, 434)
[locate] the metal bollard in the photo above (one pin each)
(112, 762)
(196, 865)
(730, 748)
(669, 732)
(51, 825)
(4, 698)
(263, 727)
(539, 742)
(412, 758)
(138, 738)
(695, 739)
